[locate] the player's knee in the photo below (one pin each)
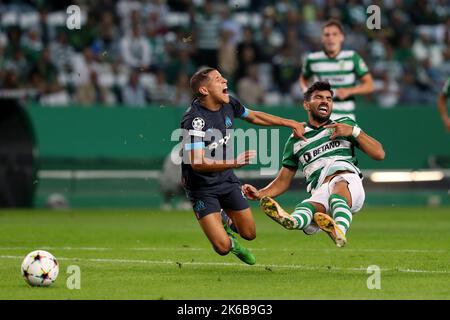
(222, 247)
(248, 234)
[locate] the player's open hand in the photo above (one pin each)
(251, 192)
(245, 158)
(340, 130)
(299, 130)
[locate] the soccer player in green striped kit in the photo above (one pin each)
(327, 158)
(341, 68)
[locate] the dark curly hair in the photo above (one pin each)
(317, 86)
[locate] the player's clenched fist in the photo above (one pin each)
(251, 192)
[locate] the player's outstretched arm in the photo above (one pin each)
(278, 186)
(265, 119)
(442, 107)
(369, 145)
(200, 163)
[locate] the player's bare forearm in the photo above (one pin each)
(202, 164)
(280, 184)
(366, 86)
(371, 146)
(265, 119)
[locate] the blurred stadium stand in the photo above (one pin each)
(103, 100)
(52, 65)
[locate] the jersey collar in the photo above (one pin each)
(316, 128)
(337, 56)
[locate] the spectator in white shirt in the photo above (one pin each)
(135, 50)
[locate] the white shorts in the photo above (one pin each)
(355, 186)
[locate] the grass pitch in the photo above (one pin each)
(148, 254)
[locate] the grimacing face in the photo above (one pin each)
(320, 106)
(216, 87)
(332, 39)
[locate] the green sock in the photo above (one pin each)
(303, 213)
(341, 212)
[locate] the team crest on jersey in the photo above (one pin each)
(198, 123)
(362, 66)
(228, 122)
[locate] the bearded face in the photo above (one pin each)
(320, 106)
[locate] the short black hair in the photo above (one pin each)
(198, 79)
(317, 86)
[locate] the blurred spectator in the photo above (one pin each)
(83, 65)
(404, 52)
(411, 93)
(286, 68)
(207, 28)
(92, 92)
(61, 51)
(105, 45)
(44, 28)
(424, 48)
(249, 90)
(44, 78)
(32, 45)
(155, 13)
(182, 94)
(227, 55)
(387, 91)
(14, 45)
(19, 65)
(161, 91)
(246, 57)
(229, 25)
(357, 39)
(135, 49)
(133, 93)
(354, 13)
(84, 37)
(247, 52)
(44, 74)
(422, 12)
(181, 63)
(10, 79)
(129, 14)
(268, 41)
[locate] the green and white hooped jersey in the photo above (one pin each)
(319, 156)
(341, 71)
